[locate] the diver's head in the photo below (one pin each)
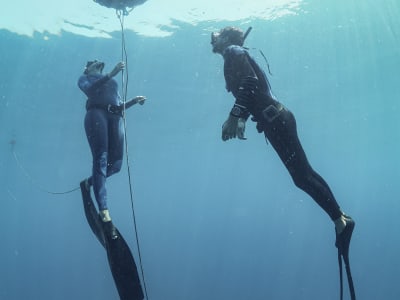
(93, 67)
(226, 37)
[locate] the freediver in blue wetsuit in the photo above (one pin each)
(104, 131)
(250, 87)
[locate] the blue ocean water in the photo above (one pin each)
(216, 220)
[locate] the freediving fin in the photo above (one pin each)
(123, 267)
(120, 259)
(91, 214)
(343, 244)
(110, 231)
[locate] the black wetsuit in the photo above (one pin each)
(250, 86)
(104, 131)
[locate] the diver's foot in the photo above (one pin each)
(105, 215)
(110, 230)
(343, 236)
(108, 226)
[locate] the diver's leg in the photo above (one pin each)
(96, 126)
(282, 133)
(97, 134)
(115, 145)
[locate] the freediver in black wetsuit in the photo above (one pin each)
(252, 91)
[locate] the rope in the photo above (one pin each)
(34, 183)
(125, 79)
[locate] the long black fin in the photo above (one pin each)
(120, 258)
(91, 214)
(123, 268)
(343, 245)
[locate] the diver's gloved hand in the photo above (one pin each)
(118, 67)
(233, 127)
(139, 99)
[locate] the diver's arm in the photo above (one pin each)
(241, 80)
(100, 82)
(247, 80)
(86, 85)
(137, 99)
(118, 67)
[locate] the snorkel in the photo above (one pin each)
(247, 33)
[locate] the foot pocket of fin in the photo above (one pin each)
(343, 239)
(110, 231)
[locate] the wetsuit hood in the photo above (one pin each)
(100, 66)
(228, 36)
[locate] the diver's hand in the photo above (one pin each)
(139, 99)
(118, 68)
(233, 127)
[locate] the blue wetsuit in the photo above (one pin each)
(104, 131)
(249, 85)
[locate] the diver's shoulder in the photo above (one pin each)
(235, 50)
(91, 77)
